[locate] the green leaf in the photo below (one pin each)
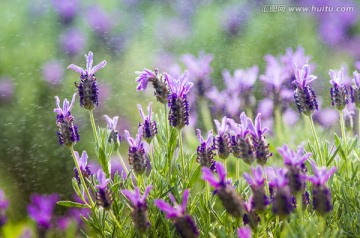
(194, 177)
(71, 204)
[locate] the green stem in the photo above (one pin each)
(206, 115)
(82, 179)
(237, 171)
(342, 125)
(93, 126)
(358, 124)
(113, 217)
(208, 204)
(279, 123)
(122, 162)
(316, 140)
(181, 153)
(166, 123)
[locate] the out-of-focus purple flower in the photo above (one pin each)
(296, 169)
(138, 202)
(41, 209)
(199, 70)
(184, 223)
(67, 9)
(275, 74)
(223, 139)
(103, 194)
(257, 182)
(112, 127)
(138, 158)
(99, 20)
(88, 89)
(296, 57)
(339, 92)
(261, 147)
(290, 117)
(241, 144)
(205, 151)
(244, 232)
(321, 193)
(53, 72)
(230, 199)
(73, 41)
(349, 118)
(6, 89)
(177, 100)
(327, 117)
(67, 131)
(84, 168)
(149, 127)
(234, 17)
(266, 107)
(304, 95)
(355, 89)
(159, 82)
(4, 203)
(279, 191)
(243, 79)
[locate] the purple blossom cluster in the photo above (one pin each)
(4, 204)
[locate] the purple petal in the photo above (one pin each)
(221, 171)
(200, 138)
(76, 69)
(129, 195)
(185, 199)
(149, 110)
(208, 176)
(141, 112)
(89, 61)
(165, 207)
(83, 159)
(98, 67)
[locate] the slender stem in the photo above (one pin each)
(278, 121)
(123, 164)
(208, 204)
(113, 217)
(93, 126)
(237, 171)
(358, 124)
(342, 125)
(166, 122)
(206, 115)
(82, 179)
(225, 165)
(316, 140)
(181, 153)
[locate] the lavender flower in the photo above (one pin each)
(41, 210)
(114, 134)
(99, 20)
(230, 199)
(250, 216)
(241, 143)
(53, 72)
(184, 223)
(304, 95)
(321, 193)
(3, 207)
(139, 213)
(275, 74)
(177, 101)
(73, 41)
(296, 57)
(222, 140)
(205, 151)
(158, 81)
(138, 159)
(257, 184)
(88, 90)
(6, 89)
(355, 89)
(103, 195)
(244, 232)
(148, 126)
(261, 147)
(339, 92)
(84, 168)
(280, 194)
(66, 9)
(296, 169)
(199, 70)
(67, 131)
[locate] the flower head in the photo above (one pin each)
(144, 77)
(217, 183)
(135, 196)
(41, 209)
(65, 111)
(111, 123)
(176, 210)
(149, 126)
(292, 158)
(90, 71)
(321, 175)
(243, 79)
(180, 86)
(103, 194)
(355, 89)
(205, 151)
(103, 181)
(275, 74)
(84, 168)
(255, 129)
(277, 177)
(336, 77)
(303, 77)
(257, 179)
(112, 126)
(199, 68)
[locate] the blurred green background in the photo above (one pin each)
(39, 38)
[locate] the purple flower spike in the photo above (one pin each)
(159, 82)
(339, 92)
(244, 232)
(184, 223)
(223, 140)
(261, 147)
(205, 151)
(177, 100)
(303, 77)
(295, 163)
(280, 194)
(112, 126)
(103, 194)
(257, 181)
(230, 199)
(67, 131)
(84, 168)
(145, 77)
(355, 89)
(41, 209)
(149, 126)
(321, 193)
(88, 89)
(140, 213)
(3, 207)
(138, 159)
